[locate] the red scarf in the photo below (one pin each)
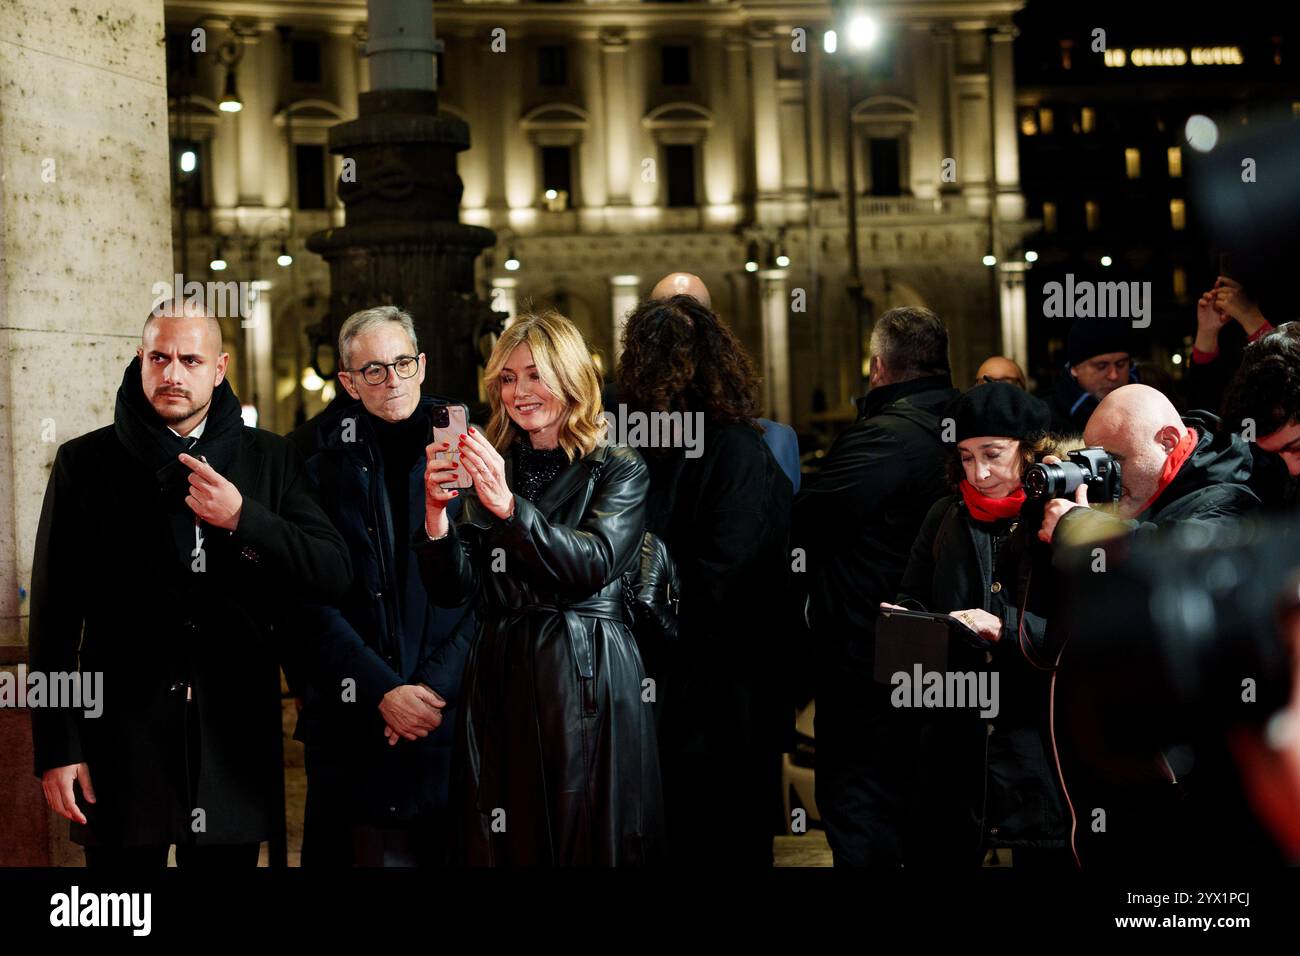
(1173, 462)
(984, 508)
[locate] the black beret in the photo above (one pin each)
(1000, 409)
(1089, 337)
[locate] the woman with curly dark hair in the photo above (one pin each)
(722, 505)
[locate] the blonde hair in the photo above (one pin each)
(565, 367)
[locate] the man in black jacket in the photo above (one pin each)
(166, 542)
(1176, 472)
(856, 523)
(382, 666)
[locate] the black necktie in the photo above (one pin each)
(189, 441)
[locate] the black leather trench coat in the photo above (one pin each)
(556, 760)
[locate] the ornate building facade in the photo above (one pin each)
(614, 142)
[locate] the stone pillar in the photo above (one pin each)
(774, 303)
(624, 295)
(1015, 313)
(257, 348)
(947, 101)
(818, 77)
(83, 110)
(504, 291)
(403, 242)
(767, 118)
(618, 144)
(1011, 204)
(257, 94)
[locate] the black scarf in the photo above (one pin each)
(148, 439)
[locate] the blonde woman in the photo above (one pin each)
(555, 755)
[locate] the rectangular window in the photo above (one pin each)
(676, 65)
(557, 175)
(679, 160)
(1028, 123)
(304, 56)
(310, 162)
(1175, 154)
(1177, 214)
(1045, 121)
(1180, 282)
(1049, 217)
(1133, 163)
(1092, 216)
(1067, 48)
(552, 66)
(885, 177)
(1087, 119)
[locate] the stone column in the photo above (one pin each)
(504, 291)
(623, 297)
(1014, 309)
(774, 303)
(257, 93)
(83, 111)
(618, 145)
(257, 347)
(1011, 204)
(766, 107)
(947, 101)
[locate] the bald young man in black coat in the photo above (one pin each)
(166, 542)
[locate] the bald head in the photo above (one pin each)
(999, 368)
(181, 363)
(171, 309)
(1139, 427)
(682, 283)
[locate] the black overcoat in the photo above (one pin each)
(115, 590)
(987, 782)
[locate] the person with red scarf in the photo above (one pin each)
(986, 782)
(1172, 469)
(1177, 474)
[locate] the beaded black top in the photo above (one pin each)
(535, 468)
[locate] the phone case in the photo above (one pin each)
(457, 425)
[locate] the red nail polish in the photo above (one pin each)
(462, 437)
(455, 494)
(471, 429)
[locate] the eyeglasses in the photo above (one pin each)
(376, 373)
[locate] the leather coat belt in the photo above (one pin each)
(608, 609)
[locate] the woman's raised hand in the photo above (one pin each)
(487, 469)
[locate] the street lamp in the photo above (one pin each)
(861, 30)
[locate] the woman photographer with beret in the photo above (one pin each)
(989, 782)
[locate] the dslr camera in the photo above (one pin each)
(1087, 466)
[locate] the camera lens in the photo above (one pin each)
(1042, 481)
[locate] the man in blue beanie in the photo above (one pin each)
(1099, 360)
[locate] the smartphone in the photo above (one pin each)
(449, 423)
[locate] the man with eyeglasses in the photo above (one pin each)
(1099, 360)
(383, 665)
